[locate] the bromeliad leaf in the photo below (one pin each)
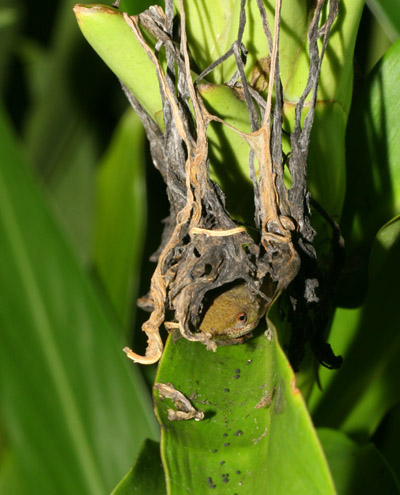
(254, 417)
(63, 378)
(146, 475)
(121, 215)
(367, 387)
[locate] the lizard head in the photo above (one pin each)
(232, 312)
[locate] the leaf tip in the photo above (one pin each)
(82, 10)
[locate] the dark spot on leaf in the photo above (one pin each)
(210, 483)
(225, 434)
(238, 433)
(236, 377)
(226, 444)
(226, 389)
(225, 478)
(238, 472)
(222, 463)
(237, 370)
(214, 451)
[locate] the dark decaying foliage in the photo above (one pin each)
(202, 247)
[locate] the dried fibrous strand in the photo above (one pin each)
(203, 249)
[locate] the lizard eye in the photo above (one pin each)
(242, 317)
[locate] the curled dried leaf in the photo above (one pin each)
(184, 408)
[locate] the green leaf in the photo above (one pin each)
(134, 6)
(388, 14)
(336, 80)
(373, 174)
(356, 469)
(63, 150)
(229, 152)
(73, 412)
(107, 32)
(212, 27)
(255, 422)
(355, 398)
(326, 155)
(146, 475)
(326, 158)
(121, 215)
(10, 477)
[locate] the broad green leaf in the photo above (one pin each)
(73, 412)
(10, 477)
(356, 397)
(146, 475)
(326, 159)
(213, 25)
(211, 29)
(326, 174)
(327, 153)
(356, 469)
(388, 14)
(255, 422)
(110, 36)
(336, 80)
(373, 174)
(121, 215)
(57, 133)
(134, 6)
(229, 153)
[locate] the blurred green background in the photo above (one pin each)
(73, 410)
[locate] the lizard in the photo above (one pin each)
(232, 314)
